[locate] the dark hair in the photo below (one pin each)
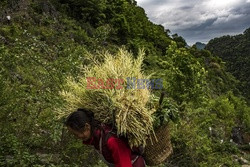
(79, 118)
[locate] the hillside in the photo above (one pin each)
(235, 50)
(44, 42)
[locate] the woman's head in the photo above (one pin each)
(80, 123)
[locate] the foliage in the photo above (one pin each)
(47, 41)
(167, 111)
(234, 50)
(202, 138)
(183, 74)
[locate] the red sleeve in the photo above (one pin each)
(120, 152)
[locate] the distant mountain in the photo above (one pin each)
(200, 45)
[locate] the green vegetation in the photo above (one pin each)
(47, 41)
(234, 50)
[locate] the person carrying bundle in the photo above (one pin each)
(113, 150)
(132, 112)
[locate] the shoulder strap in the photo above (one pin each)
(108, 135)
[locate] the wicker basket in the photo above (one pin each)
(158, 152)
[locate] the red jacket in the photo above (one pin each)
(115, 150)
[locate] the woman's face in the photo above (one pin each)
(85, 134)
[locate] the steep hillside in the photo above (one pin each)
(42, 42)
(235, 51)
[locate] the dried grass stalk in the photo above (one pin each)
(132, 116)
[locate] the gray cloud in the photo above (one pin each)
(199, 20)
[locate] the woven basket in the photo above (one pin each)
(158, 152)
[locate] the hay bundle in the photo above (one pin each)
(128, 106)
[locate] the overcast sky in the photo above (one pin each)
(199, 20)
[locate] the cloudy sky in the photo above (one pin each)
(199, 20)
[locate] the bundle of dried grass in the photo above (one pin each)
(129, 106)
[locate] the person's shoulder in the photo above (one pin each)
(113, 141)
